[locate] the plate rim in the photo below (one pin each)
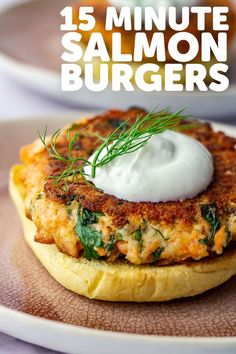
(58, 326)
(110, 334)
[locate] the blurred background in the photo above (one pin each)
(30, 70)
(17, 99)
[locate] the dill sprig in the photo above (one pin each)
(73, 170)
(125, 139)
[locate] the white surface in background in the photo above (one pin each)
(7, 3)
(17, 101)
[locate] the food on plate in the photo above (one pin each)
(129, 37)
(130, 205)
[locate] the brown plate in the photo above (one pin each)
(27, 287)
(30, 33)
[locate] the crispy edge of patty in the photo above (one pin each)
(222, 190)
(123, 212)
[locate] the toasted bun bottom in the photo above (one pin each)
(122, 282)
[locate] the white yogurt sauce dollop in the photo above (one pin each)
(154, 3)
(170, 167)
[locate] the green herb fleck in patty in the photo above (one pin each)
(209, 213)
(137, 235)
(88, 235)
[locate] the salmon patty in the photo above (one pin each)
(84, 221)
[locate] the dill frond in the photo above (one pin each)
(123, 140)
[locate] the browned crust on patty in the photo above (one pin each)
(222, 191)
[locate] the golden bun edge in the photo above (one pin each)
(122, 282)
